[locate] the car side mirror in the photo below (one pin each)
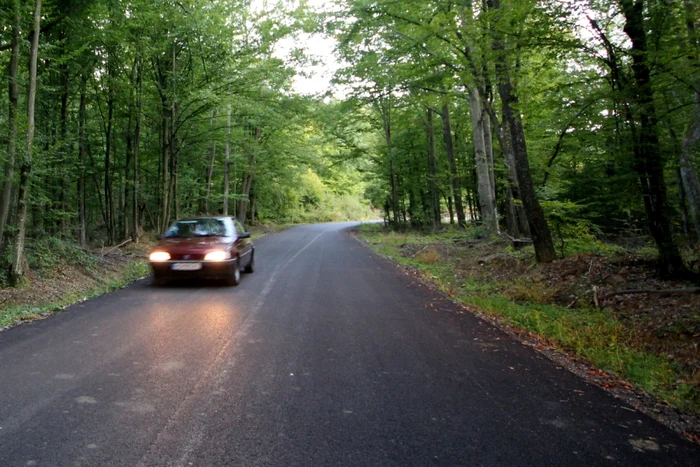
(244, 235)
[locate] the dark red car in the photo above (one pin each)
(203, 247)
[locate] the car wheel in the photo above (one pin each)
(251, 264)
(234, 277)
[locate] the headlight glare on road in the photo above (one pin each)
(218, 255)
(157, 256)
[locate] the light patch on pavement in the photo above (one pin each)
(171, 366)
(92, 446)
(137, 407)
(64, 376)
(557, 423)
(643, 445)
(86, 400)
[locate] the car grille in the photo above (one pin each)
(186, 257)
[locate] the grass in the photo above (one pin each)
(593, 335)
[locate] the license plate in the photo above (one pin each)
(187, 266)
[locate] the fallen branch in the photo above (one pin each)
(116, 247)
(419, 251)
(613, 293)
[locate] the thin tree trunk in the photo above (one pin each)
(539, 230)
(13, 92)
(432, 167)
(210, 167)
(454, 177)
(487, 203)
(691, 141)
(227, 163)
(516, 219)
(689, 176)
(649, 163)
(17, 267)
(109, 203)
(137, 144)
(385, 111)
(82, 118)
(248, 181)
(165, 165)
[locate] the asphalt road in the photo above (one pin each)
(326, 355)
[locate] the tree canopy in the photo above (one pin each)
(533, 119)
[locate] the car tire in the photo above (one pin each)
(250, 268)
(234, 277)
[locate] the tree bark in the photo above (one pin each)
(135, 225)
(210, 167)
(17, 266)
(487, 203)
(13, 92)
(248, 180)
(385, 111)
(227, 163)
(539, 230)
(82, 147)
(649, 163)
(432, 174)
(691, 141)
(454, 176)
(109, 203)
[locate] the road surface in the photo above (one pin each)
(326, 355)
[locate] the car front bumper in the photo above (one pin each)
(207, 269)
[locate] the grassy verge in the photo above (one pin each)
(592, 334)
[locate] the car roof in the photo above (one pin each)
(194, 218)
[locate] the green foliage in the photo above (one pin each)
(46, 254)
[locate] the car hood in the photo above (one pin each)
(196, 244)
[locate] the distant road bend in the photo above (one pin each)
(326, 355)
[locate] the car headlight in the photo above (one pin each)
(218, 255)
(159, 256)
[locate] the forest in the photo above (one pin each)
(544, 121)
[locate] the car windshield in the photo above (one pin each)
(188, 228)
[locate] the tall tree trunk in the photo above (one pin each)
(454, 177)
(691, 141)
(227, 163)
(82, 147)
(17, 266)
(385, 111)
(109, 202)
(487, 203)
(210, 167)
(689, 176)
(516, 219)
(248, 179)
(13, 92)
(432, 174)
(649, 163)
(165, 165)
(135, 225)
(539, 230)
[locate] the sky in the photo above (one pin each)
(320, 47)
